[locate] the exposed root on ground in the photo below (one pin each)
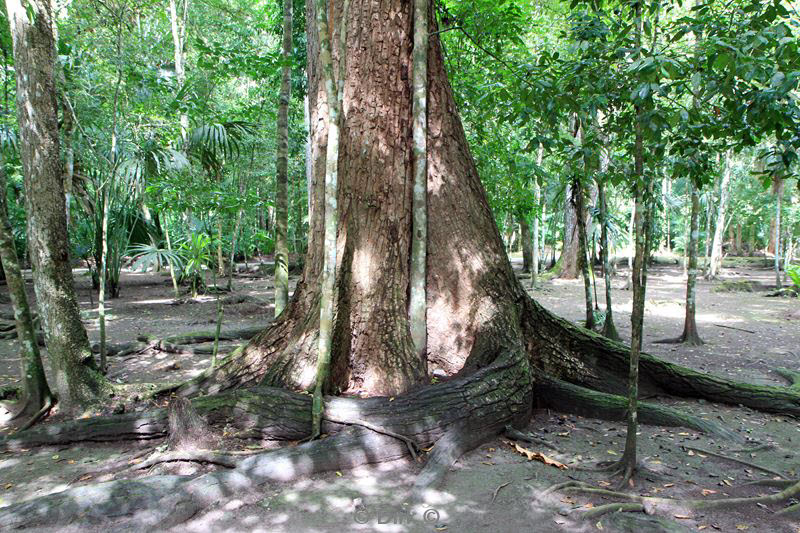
(652, 504)
(194, 456)
(734, 460)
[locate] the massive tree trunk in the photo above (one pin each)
(507, 350)
(75, 377)
(471, 294)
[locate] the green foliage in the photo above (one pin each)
(794, 274)
(197, 257)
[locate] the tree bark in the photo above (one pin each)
(35, 393)
(527, 251)
(778, 190)
(578, 200)
(719, 227)
(419, 239)
(690, 335)
(567, 265)
(178, 27)
(609, 328)
(282, 169)
(76, 379)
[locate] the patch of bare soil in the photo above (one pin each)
(495, 487)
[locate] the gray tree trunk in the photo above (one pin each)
(690, 335)
(76, 378)
(282, 167)
(778, 188)
(719, 227)
(419, 241)
(35, 392)
(332, 95)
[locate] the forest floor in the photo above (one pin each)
(494, 487)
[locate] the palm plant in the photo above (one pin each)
(147, 255)
(196, 253)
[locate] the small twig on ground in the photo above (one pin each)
(497, 490)
(737, 329)
(735, 460)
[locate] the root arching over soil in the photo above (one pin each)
(497, 389)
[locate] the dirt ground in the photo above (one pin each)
(493, 488)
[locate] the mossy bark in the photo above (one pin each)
(75, 376)
(282, 170)
(35, 393)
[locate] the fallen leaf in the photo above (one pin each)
(682, 516)
(487, 463)
(536, 456)
(612, 452)
(742, 527)
(391, 399)
(9, 485)
(604, 483)
(338, 473)
(668, 485)
(690, 452)
(706, 492)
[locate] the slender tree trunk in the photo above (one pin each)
(282, 167)
(667, 193)
(419, 200)
(638, 276)
(719, 227)
(35, 393)
(578, 195)
(738, 243)
(107, 193)
(609, 328)
(537, 200)
(326, 315)
(171, 264)
(178, 24)
(707, 240)
(690, 335)
(527, 251)
(777, 187)
(75, 376)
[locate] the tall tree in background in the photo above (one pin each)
(715, 263)
(578, 199)
(690, 335)
(282, 169)
(609, 328)
(75, 376)
(777, 190)
(178, 16)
